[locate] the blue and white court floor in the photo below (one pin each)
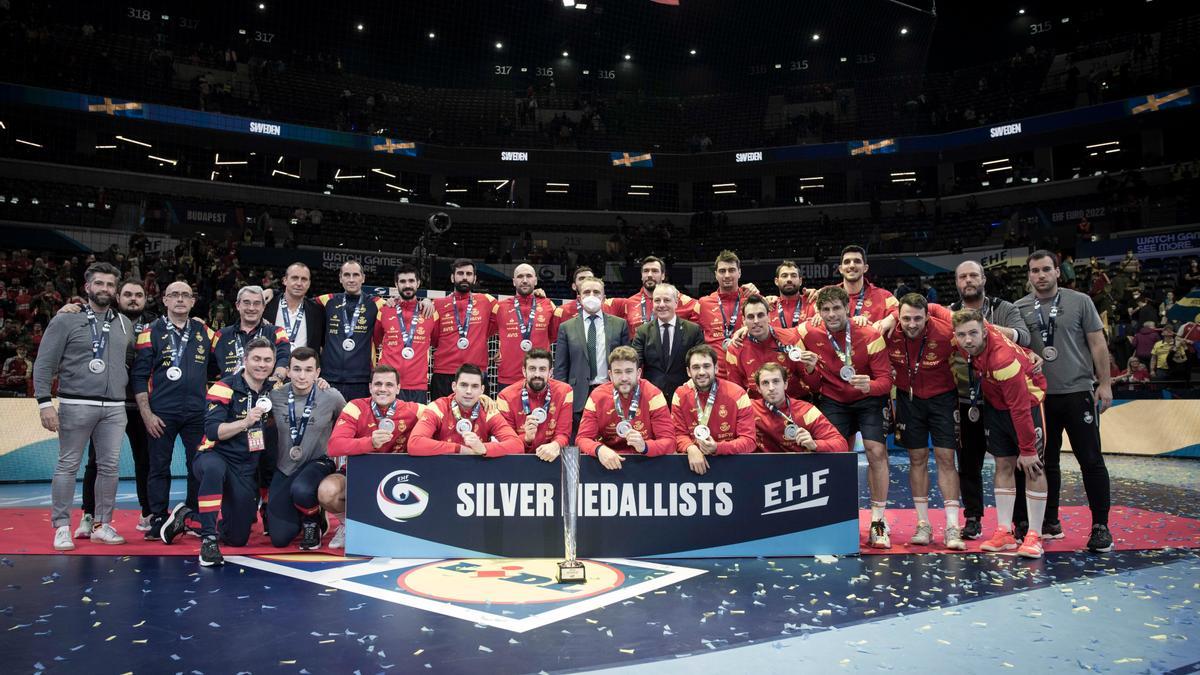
(1124, 612)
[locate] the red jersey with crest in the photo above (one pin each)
(389, 339)
(598, 426)
(351, 433)
(435, 433)
(769, 427)
(731, 421)
(784, 315)
(559, 412)
(506, 324)
(1005, 376)
(639, 308)
(448, 357)
(868, 356)
(742, 362)
(928, 355)
(715, 312)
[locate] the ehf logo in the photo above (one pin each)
(399, 499)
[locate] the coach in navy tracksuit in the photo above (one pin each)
(169, 377)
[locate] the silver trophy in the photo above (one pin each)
(570, 570)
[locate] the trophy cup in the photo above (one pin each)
(570, 570)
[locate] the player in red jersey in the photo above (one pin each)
(1008, 394)
(639, 308)
(464, 318)
(868, 303)
(626, 415)
(765, 343)
(403, 335)
(538, 408)
(522, 322)
(720, 312)
(711, 416)
(460, 424)
(785, 424)
(794, 303)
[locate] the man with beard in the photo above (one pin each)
(662, 344)
(854, 377)
(1007, 395)
(170, 373)
(784, 424)
(347, 355)
(87, 351)
(639, 308)
(225, 466)
(539, 409)
(131, 301)
(464, 318)
(626, 415)
(971, 281)
(302, 319)
(1065, 328)
(792, 308)
(403, 335)
(720, 312)
(459, 424)
(926, 400)
(868, 303)
(766, 343)
(522, 323)
(710, 416)
(304, 417)
(379, 423)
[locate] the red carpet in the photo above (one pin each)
(1132, 529)
(28, 531)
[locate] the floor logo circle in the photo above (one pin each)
(500, 581)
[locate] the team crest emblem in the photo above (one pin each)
(1087, 417)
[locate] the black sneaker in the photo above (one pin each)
(311, 536)
(1101, 539)
(174, 524)
(262, 513)
(972, 529)
(156, 526)
(323, 521)
(210, 553)
(1020, 530)
(1052, 530)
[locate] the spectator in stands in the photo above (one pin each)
(1164, 307)
(1135, 372)
(18, 372)
(1169, 358)
(1190, 278)
(1142, 311)
(1068, 271)
(1144, 340)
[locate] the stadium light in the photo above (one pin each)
(172, 162)
(816, 37)
(568, 3)
(1021, 11)
(843, 59)
(904, 31)
(360, 27)
(692, 52)
(499, 45)
(25, 142)
(432, 35)
(628, 56)
(566, 54)
(130, 140)
(383, 173)
(641, 187)
(581, 5)
(262, 6)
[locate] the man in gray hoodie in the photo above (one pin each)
(86, 350)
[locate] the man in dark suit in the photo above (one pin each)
(584, 342)
(301, 317)
(663, 342)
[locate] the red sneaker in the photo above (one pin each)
(1031, 547)
(1002, 540)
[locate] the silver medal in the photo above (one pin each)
(174, 373)
(97, 366)
(408, 353)
(973, 413)
(847, 373)
(538, 415)
(463, 426)
(791, 431)
(463, 343)
(726, 343)
(526, 345)
(1050, 353)
(294, 452)
(623, 428)
(386, 424)
(795, 354)
(263, 404)
(701, 432)
(348, 344)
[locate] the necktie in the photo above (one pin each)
(666, 341)
(591, 347)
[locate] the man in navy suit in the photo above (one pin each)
(584, 342)
(663, 342)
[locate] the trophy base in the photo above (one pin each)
(571, 572)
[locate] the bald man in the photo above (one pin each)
(522, 323)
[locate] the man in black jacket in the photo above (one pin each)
(301, 317)
(663, 342)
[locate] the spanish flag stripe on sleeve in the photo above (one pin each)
(570, 397)
(435, 410)
(502, 405)
(675, 400)
(877, 345)
(812, 415)
(590, 405)
(220, 393)
(351, 411)
(206, 444)
(743, 402)
(143, 340)
(659, 401)
(1007, 372)
(324, 299)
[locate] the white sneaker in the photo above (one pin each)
(144, 524)
(85, 527)
(62, 539)
(105, 534)
(339, 538)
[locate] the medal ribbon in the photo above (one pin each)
(795, 311)
(780, 412)
(179, 339)
(526, 327)
(913, 371)
(407, 332)
(634, 400)
(378, 415)
(703, 415)
(846, 356)
(458, 415)
(239, 346)
(525, 402)
(287, 322)
(99, 336)
(1047, 325)
(464, 326)
(726, 323)
(298, 428)
(348, 322)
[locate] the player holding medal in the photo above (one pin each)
(521, 323)
(1012, 413)
(403, 334)
(464, 324)
(784, 424)
(720, 313)
(304, 417)
(539, 408)
(626, 415)
(350, 320)
(711, 416)
(854, 378)
(765, 343)
(459, 424)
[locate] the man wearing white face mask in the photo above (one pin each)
(584, 342)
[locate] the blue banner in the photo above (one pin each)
(1159, 244)
(745, 506)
